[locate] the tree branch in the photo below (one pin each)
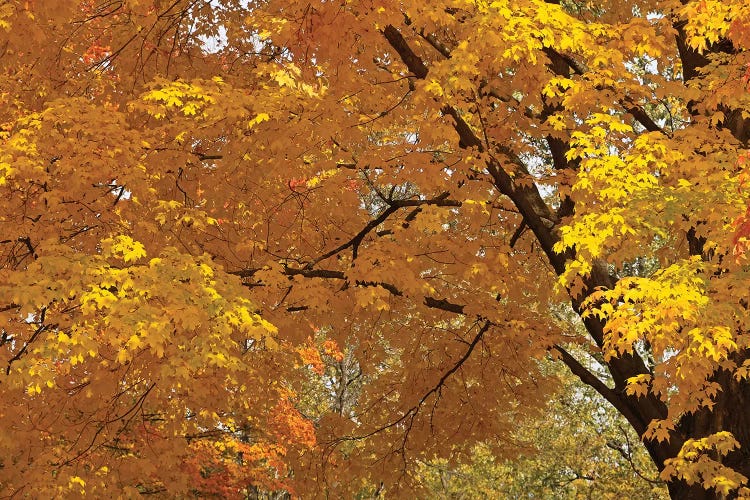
(526, 197)
(412, 412)
(591, 380)
(520, 187)
(440, 200)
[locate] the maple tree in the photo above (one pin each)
(302, 245)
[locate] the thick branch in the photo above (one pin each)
(641, 116)
(431, 302)
(443, 304)
(595, 383)
(560, 62)
(692, 61)
(524, 194)
(412, 60)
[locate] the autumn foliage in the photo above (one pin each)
(310, 246)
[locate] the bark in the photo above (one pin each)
(732, 409)
(731, 413)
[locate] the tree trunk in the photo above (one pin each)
(731, 413)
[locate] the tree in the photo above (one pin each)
(197, 196)
(578, 448)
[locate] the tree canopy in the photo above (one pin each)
(310, 246)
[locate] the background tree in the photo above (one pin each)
(191, 190)
(578, 448)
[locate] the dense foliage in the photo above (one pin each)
(311, 246)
